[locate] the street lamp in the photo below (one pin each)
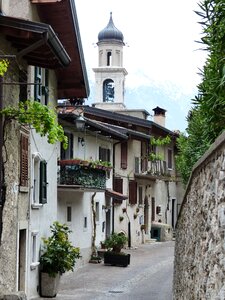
(80, 123)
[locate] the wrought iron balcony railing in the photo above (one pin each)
(85, 176)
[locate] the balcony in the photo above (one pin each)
(82, 174)
(152, 169)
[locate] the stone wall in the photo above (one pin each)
(199, 271)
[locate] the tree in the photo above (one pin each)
(206, 120)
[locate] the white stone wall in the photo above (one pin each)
(200, 246)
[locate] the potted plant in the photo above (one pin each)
(114, 243)
(57, 257)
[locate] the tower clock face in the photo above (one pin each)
(108, 90)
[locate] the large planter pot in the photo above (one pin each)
(116, 259)
(49, 285)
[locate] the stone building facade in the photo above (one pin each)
(200, 246)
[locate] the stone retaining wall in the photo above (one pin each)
(199, 267)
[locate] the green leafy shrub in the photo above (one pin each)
(116, 242)
(58, 254)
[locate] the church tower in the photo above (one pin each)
(110, 74)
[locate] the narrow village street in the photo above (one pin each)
(149, 276)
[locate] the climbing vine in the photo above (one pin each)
(41, 117)
(3, 66)
(158, 142)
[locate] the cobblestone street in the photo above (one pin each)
(149, 276)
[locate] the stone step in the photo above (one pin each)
(148, 241)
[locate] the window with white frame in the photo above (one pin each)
(39, 179)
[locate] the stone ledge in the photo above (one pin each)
(14, 296)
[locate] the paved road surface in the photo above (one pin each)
(149, 277)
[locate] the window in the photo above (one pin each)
(132, 192)
(170, 165)
(34, 260)
(140, 193)
(109, 58)
(153, 209)
(24, 140)
(39, 181)
(68, 153)
(69, 214)
(43, 182)
(104, 154)
(97, 211)
(108, 90)
(136, 165)
(124, 155)
(41, 89)
(85, 222)
(118, 187)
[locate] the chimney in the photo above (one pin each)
(159, 116)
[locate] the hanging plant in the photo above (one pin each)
(41, 117)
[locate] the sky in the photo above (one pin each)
(161, 54)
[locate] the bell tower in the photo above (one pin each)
(110, 73)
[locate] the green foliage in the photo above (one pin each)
(158, 142)
(116, 241)
(3, 66)
(206, 120)
(41, 117)
(58, 255)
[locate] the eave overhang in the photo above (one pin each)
(61, 15)
(36, 42)
(115, 195)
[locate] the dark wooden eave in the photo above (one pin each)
(61, 15)
(35, 42)
(130, 122)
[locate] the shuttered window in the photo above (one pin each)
(43, 182)
(124, 155)
(132, 192)
(24, 139)
(118, 184)
(118, 187)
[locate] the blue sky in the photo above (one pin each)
(161, 54)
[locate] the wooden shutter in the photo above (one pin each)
(118, 184)
(43, 182)
(140, 195)
(132, 192)
(124, 155)
(24, 139)
(118, 187)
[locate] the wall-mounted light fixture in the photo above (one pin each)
(81, 141)
(80, 123)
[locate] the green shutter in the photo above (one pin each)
(43, 182)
